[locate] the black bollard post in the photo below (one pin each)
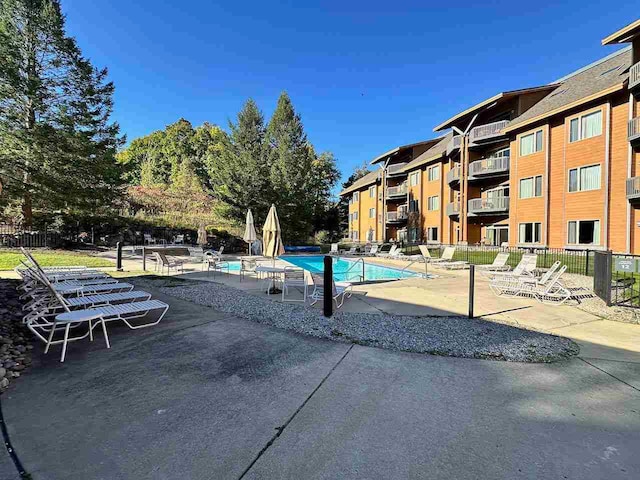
(144, 259)
(119, 257)
(328, 286)
(472, 277)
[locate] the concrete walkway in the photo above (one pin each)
(205, 395)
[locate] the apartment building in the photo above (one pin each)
(553, 166)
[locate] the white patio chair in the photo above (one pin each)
(334, 249)
(248, 267)
(163, 261)
(294, 277)
(339, 290)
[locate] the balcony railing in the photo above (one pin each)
(633, 187)
(454, 144)
(395, 169)
(397, 191)
(634, 129)
(453, 175)
(489, 166)
(634, 76)
(488, 131)
(398, 216)
(453, 208)
(492, 205)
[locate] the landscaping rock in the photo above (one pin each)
(451, 336)
(15, 338)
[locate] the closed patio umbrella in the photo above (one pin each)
(271, 240)
(250, 231)
(202, 236)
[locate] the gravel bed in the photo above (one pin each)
(15, 338)
(450, 336)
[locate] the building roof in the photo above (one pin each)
(435, 152)
(624, 35)
(401, 148)
(368, 179)
(601, 78)
(488, 102)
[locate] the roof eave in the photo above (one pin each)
(624, 35)
(615, 88)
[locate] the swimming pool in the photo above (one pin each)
(348, 269)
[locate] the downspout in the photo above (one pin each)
(607, 165)
(629, 175)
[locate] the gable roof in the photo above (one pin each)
(401, 148)
(601, 78)
(489, 101)
(624, 35)
(368, 179)
(435, 152)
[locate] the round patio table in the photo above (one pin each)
(273, 274)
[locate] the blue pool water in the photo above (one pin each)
(348, 269)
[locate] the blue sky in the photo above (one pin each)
(365, 76)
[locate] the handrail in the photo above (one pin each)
(424, 275)
(360, 260)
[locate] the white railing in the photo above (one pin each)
(395, 169)
(633, 187)
(454, 144)
(490, 130)
(453, 208)
(634, 75)
(398, 216)
(397, 191)
(453, 175)
(489, 166)
(489, 205)
(634, 128)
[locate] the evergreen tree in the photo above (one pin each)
(343, 204)
(239, 174)
(57, 144)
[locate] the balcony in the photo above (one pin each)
(633, 188)
(634, 130)
(394, 170)
(396, 192)
(397, 217)
(488, 132)
(454, 144)
(488, 167)
(453, 209)
(453, 176)
(489, 206)
(634, 76)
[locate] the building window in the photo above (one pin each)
(372, 191)
(356, 196)
(354, 235)
(432, 234)
(413, 234)
(413, 205)
(531, 143)
(355, 216)
(531, 187)
(433, 203)
(584, 178)
(414, 179)
(372, 213)
(505, 152)
(585, 126)
(433, 173)
(529, 232)
(584, 232)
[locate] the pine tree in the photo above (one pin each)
(239, 174)
(57, 144)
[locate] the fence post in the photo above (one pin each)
(472, 275)
(586, 264)
(328, 287)
(45, 234)
(119, 257)
(144, 259)
(609, 273)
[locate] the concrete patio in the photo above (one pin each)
(207, 395)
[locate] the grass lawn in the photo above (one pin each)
(56, 258)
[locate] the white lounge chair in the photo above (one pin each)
(351, 251)
(520, 285)
(334, 249)
(294, 277)
(447, 261)
(526, 266)
(499, 264)
(390, 253)
(339, 290)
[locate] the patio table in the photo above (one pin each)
(273, 274)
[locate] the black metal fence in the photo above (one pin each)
(13, 237)
(577, 261)
(602, 276)
(624, 274)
